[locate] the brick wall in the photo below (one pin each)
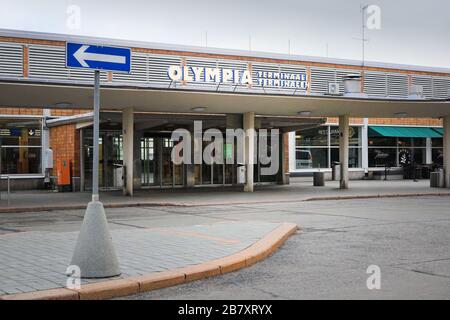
(286, 152)
(65, 142)
(393, 121)
(21, 111)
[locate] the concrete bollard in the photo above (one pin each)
(319, 179)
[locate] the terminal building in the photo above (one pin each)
(372, 118)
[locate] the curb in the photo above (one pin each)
(180, 204)
(158, 280)
(374, 196)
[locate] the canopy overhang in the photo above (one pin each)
(51, 95)
(407, 132)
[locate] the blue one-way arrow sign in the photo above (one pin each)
(98, 57)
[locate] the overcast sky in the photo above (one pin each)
(412, 32)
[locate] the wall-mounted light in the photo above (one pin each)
(400, 114)
(198, 109)
(304, 113)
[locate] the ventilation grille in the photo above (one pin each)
(441, 88)
(49, 62)
(322, 77)
(426, 83)
(139, 69)
(397, 85)
(11, 60)
(375, 84)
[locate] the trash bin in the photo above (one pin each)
(437, 179)
(318, 179)
(241, 173)
(336, 171)
(118, 176)
(434, 179)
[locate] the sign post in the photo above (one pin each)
(96, 136)
(94, 253)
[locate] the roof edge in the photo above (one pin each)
(210, 50)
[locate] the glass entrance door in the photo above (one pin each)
(149, 165)
(157, 166)
(110, 159)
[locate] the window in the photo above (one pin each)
(354, 152)
(319, 147)
(387, 150)
(437, 151)
(21, 146)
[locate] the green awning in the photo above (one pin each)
(403, 132)
(439, 130)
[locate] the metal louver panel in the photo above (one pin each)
(85, 75)
(397, 85)
(157, 68)
(11, 60)
(49, 62)
(426, 83)
(320, 78)
(375, 84)
(139, 69)
(441, 87)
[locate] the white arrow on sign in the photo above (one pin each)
(81, 55)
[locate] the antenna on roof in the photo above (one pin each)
(363, 27)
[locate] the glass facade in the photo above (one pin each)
(319, 147)
(20, 146)
(389, 150)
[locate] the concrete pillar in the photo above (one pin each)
(249, 128)
(127, 136)
(137, 168)
(189, 169)
(234, 121)
(292, 155)
(343, 149)
(365, 145)
(447, 150)
(283, 177)
(428, 152)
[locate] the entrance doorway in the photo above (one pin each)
(110, 159)
(157, 169)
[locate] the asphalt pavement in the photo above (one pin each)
(408, 239)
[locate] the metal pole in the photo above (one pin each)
(94, 252)
(96, 135)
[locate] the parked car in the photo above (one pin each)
(303, 159)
